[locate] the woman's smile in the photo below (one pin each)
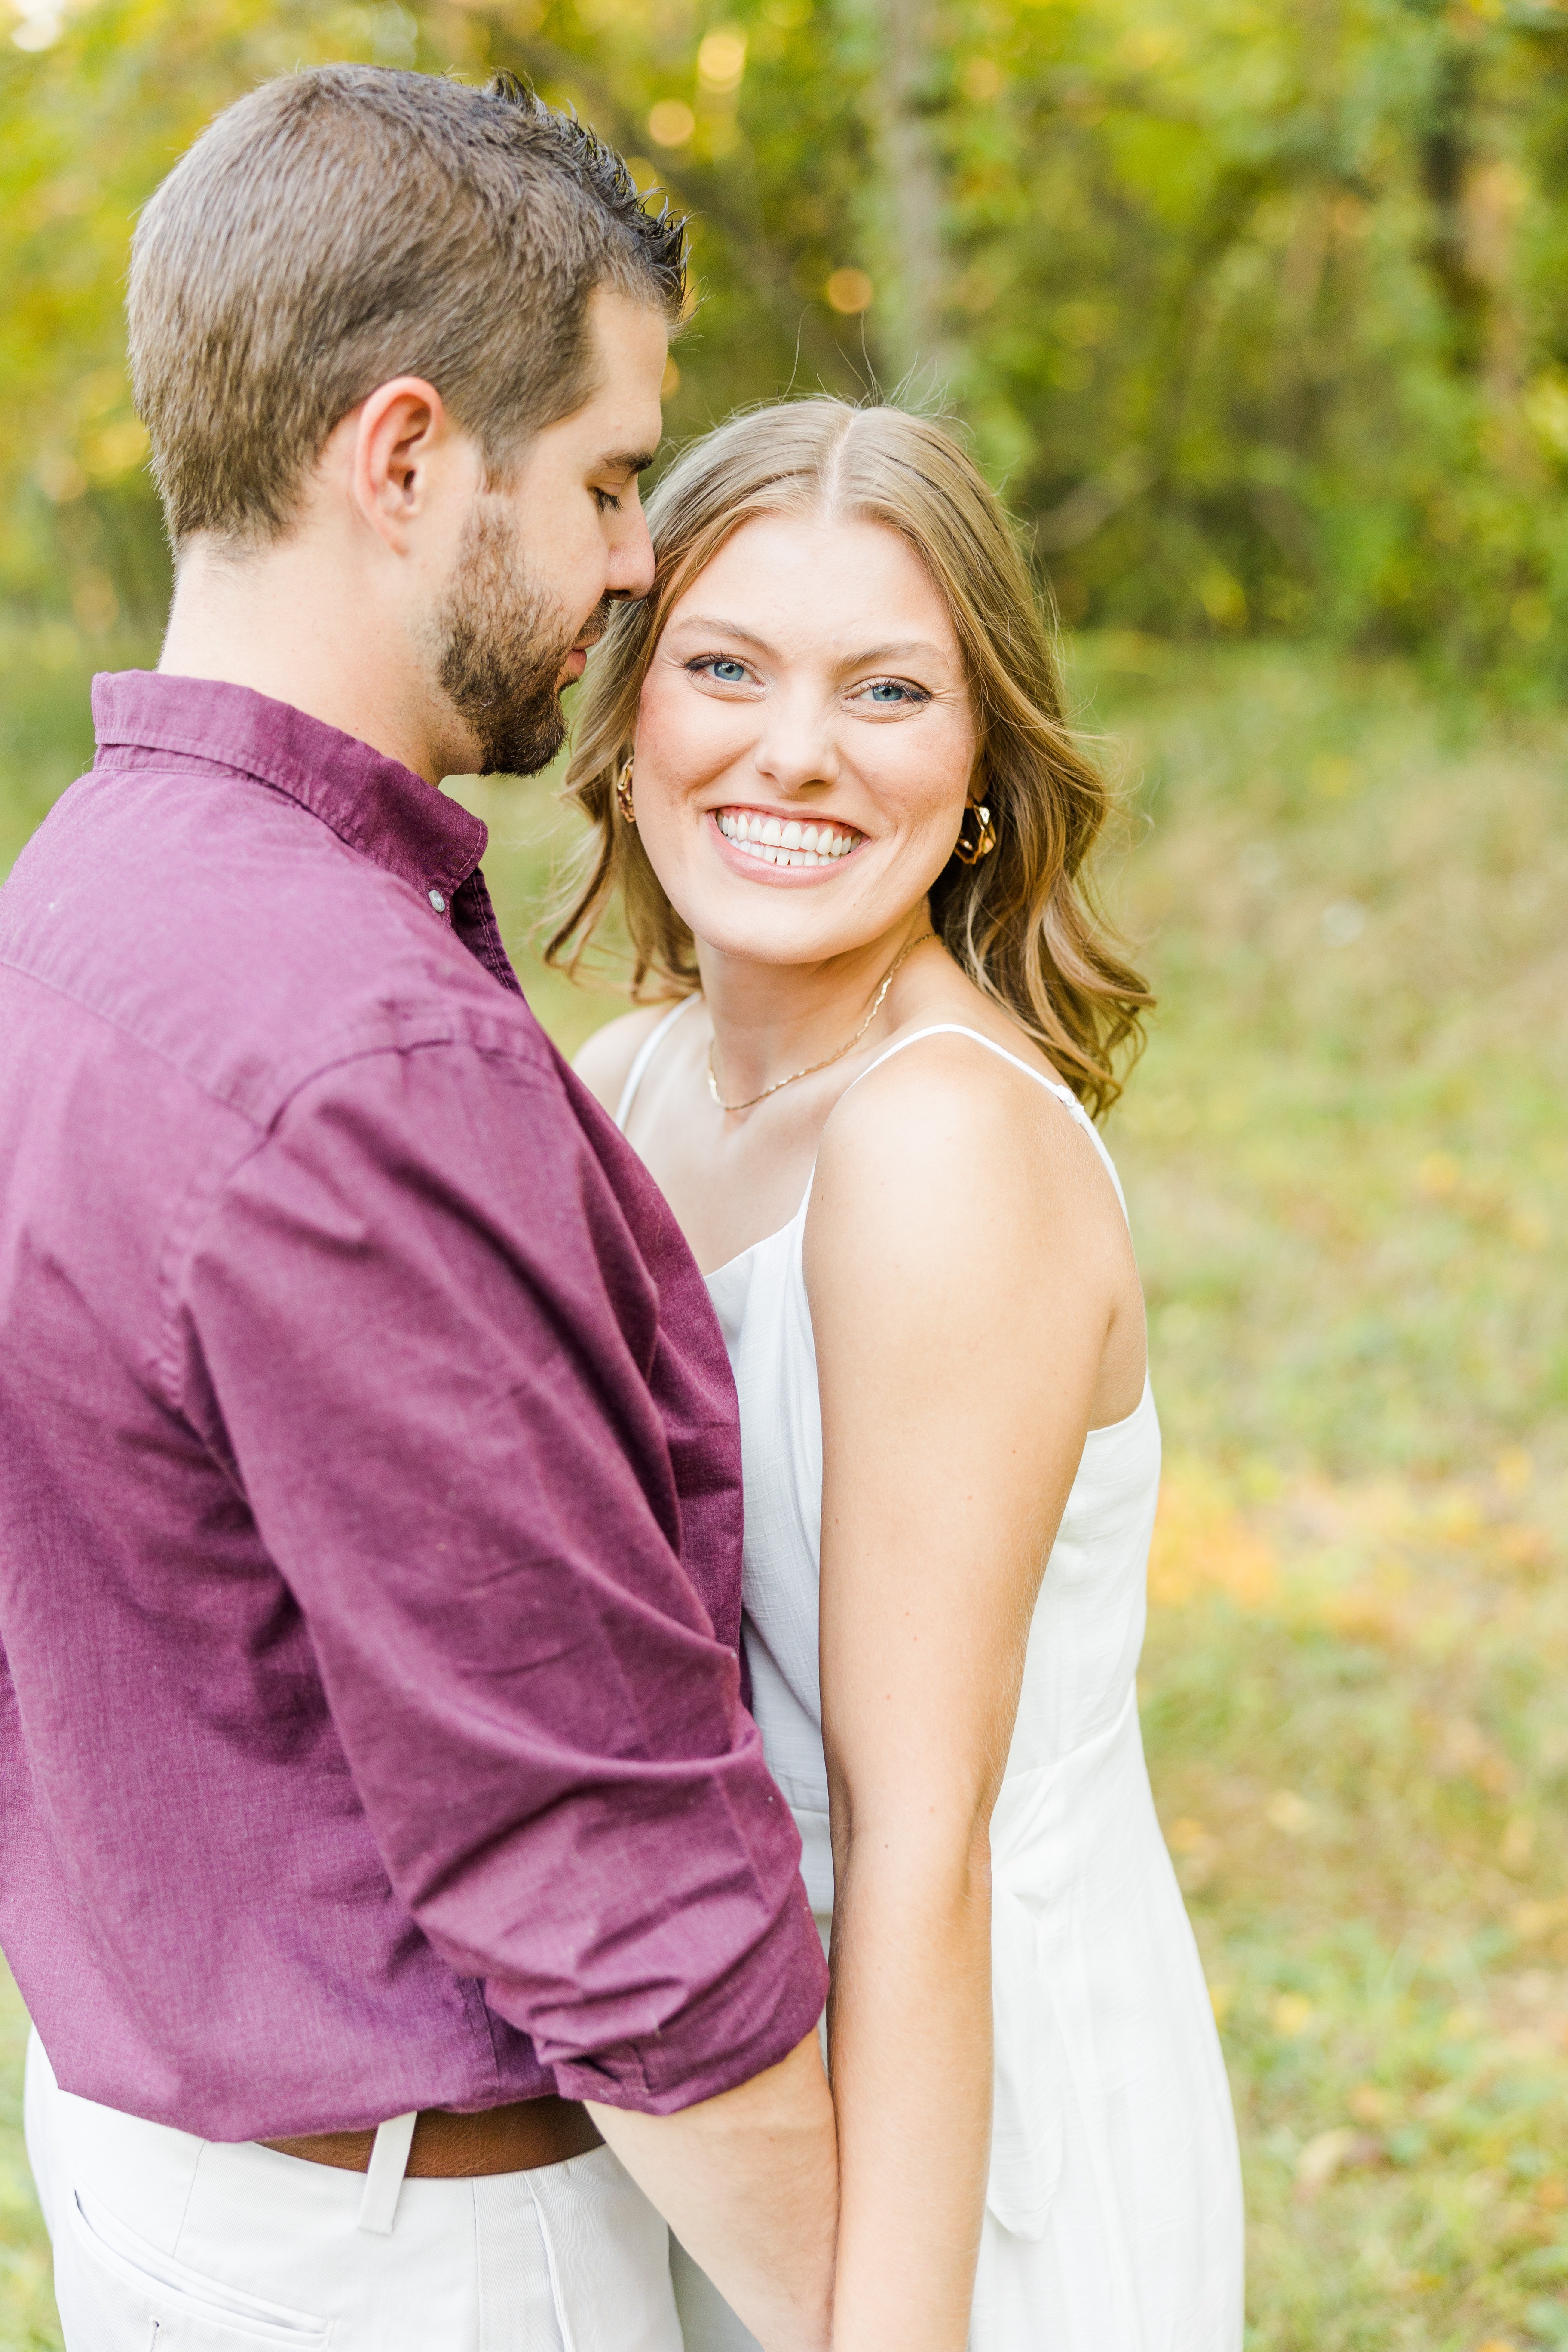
(764, 845)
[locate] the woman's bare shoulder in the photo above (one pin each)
(958, 1213)
(605, 1063)
(946, 1121)
(943, 1099)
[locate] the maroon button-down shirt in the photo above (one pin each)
(370, 1735)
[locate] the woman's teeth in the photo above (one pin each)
(778, 843)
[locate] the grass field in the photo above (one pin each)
(1347, 1160)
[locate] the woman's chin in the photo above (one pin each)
(785, 927)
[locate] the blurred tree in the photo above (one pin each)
(95, 105)
(1259, 314)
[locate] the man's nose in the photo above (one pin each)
(631, 566)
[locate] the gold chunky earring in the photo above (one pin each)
(984, 840)
(624, 792)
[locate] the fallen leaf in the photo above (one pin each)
(1290, 1812)
(1333, 2152)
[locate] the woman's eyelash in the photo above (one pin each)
(706, 664)
(711, 662)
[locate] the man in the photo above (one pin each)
(375, 1795)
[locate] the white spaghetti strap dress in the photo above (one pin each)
(1113, 2214)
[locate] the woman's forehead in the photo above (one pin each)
(818, 577)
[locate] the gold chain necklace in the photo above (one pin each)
(812, 1068)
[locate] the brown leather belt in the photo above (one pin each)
(518, 2138)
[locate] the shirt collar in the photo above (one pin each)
(375, 805)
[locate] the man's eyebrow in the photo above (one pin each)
(627, 461)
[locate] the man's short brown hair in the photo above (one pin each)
(344, 226)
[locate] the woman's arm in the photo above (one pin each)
(966, 1262)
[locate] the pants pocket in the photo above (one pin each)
(116, 2294)
(608, 2252)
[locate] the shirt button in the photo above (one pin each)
(437, 902)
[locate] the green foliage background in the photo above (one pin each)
(1258, 309)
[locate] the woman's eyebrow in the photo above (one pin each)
(722, 628)
(898, 651)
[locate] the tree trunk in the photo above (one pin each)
(910, 316)
(1447, 153)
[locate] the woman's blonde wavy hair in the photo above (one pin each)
(1020, 922)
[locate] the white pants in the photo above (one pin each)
(164, 2243)
(706, 2322)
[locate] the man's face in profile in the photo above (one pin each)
(542, 556)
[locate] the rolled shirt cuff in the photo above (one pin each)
(749, 2020)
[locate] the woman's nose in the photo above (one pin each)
(797, 745)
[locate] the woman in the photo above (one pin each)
(836, 802)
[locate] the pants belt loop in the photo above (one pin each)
(384, 2181)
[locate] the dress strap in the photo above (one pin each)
(644, 1055)
(1064, 1094)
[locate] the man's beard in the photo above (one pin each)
(501, 642)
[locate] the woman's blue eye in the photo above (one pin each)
(891, 690)
(731, 673)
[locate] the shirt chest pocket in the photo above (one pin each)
(117, 2293)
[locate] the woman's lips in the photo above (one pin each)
(576, 662)
(796, 843)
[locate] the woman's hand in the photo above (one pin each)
(975, 1307)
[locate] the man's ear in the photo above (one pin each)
(400, 432)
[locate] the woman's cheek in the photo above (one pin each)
(688, 736)
(927, 779)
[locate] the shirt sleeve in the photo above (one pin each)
(420, 1326)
